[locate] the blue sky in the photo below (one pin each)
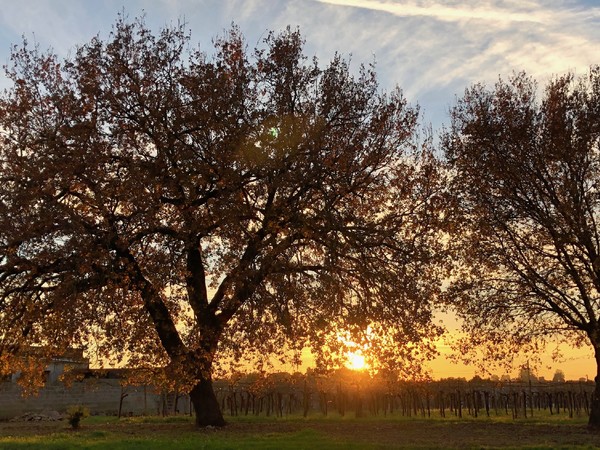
(432, 49)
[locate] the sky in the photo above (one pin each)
(431, 49)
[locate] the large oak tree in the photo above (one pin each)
(526, 173)
(172, 204)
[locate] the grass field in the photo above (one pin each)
(298, 433)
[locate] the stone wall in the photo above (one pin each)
(101, 396)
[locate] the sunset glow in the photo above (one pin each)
(356, 361)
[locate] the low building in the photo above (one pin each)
(102, 391)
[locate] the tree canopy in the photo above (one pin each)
(168, 205)
(525, 171)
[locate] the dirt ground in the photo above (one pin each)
(417, 433)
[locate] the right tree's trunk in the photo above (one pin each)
(594, 421)
(206, 406)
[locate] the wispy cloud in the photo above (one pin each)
(436, 48)
(441, 11)
(433, 49)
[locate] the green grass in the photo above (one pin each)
(313, 433)
(156, 419)
(305, 439)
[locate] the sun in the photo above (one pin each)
(356, 361)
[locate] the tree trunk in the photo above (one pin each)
(594, 421)
(206, 406)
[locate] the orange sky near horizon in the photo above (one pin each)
(576, 364)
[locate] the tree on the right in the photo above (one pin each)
(525, 170)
